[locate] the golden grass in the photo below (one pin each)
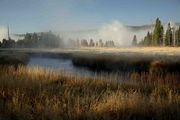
(144, 50)
(118, 50)
(35, 93)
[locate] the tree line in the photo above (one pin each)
(100, 43)
(34, 40)
(160, 36)
(91, 43)
(50, 40)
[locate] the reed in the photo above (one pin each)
(36, 93)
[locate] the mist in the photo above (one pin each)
(3, 32)
(116, 31)
(121, 34)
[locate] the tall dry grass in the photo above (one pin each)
(35, 93)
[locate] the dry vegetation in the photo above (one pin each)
(118, 50)
(42, 94)
(148, 89)
(143, 50)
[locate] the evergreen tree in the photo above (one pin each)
(27, 40)
(145, 41)
(134, 42)
(84, 43)
(96, 44)
(168, 37)
(20, 43)
(158, 34)
(34, 40)
(109, 43)
(8, 43)
(148, 39)
(141, 43)
(91, 43)
(101, 44)
(177, 37)
(27, 37)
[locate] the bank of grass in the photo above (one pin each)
(129, 63)
(35, 93)
(13, 58)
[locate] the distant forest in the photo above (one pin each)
(34, 40)
(160, 37)
(50, 40)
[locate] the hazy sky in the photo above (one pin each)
(40, 15)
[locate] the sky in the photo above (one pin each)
(43, 15)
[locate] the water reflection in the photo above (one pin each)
(65, 65)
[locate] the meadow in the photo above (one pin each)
(37, 93)
(42, 94)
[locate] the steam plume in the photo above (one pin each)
(3, 33)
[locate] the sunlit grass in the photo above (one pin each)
(36, 93)
(144, 50)
(147, 50)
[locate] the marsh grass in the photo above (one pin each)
(36, 93)
(13, 58)
(128, 63)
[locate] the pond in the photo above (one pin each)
(59, 64)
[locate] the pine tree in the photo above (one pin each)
(27, 40)
(147, 39)
(84, 43)
(168, 37)
(177, 37)
(101, 44)
(91, 43)
(141, 43)
(158, 34)
(27, 37)
(134, 42)
(34, 40)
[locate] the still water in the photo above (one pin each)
(60, 64)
